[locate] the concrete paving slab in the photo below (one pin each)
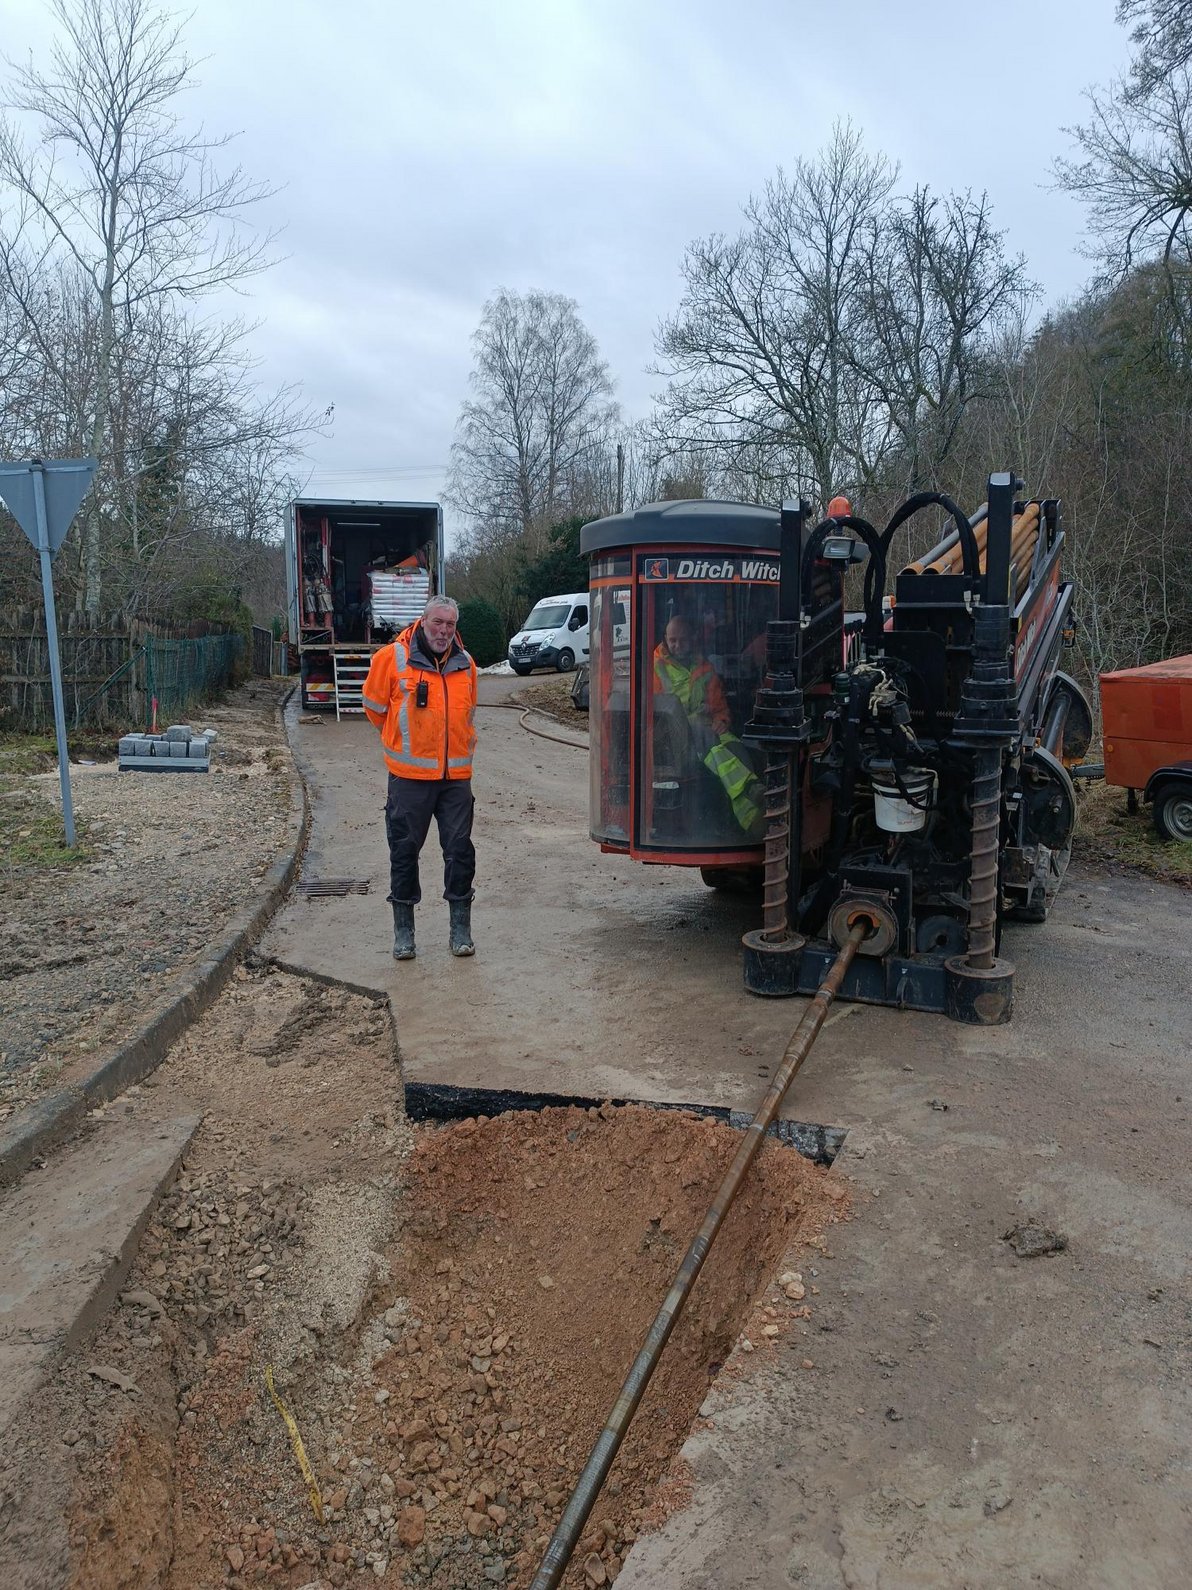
(68, 1235)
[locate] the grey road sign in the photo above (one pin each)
(43, 499)
(66, 482)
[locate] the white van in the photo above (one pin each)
(554, 636)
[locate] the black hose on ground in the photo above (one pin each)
(516, 706)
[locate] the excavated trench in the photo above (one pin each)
(449, 1311)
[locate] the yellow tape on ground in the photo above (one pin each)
(312, 1485)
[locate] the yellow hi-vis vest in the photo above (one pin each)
(689, 686)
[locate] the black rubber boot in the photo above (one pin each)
(461, 927)
(403, 932)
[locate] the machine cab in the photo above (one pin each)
(681, 593)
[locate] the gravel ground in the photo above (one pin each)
(86, 949)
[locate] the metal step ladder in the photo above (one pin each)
(351, 670)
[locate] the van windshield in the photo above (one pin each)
(548, 615)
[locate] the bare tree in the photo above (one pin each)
(199, 460)
(760, 349)
(1091, 407)
(1162, 35)
(838, 337)
(117, 188)
(1135, 172)
(939, 290)
(542, 404)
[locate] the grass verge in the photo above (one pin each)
(31, 834)
(22, 754)
(1108, 836)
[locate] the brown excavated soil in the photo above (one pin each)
(449, 1313)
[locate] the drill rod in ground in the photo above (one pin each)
(588, 1486)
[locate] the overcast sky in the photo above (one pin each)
(428, 153)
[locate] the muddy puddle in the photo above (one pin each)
(448, 1312)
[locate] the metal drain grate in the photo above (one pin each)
(321, 888)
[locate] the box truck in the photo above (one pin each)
(357, 572)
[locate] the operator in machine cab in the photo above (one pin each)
(680, 671)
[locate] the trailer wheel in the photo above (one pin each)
(1173, 811)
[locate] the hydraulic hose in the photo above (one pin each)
(922, 499)
(516, 706)
(877, 565)
(587, 1488)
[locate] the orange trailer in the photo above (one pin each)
(1147, 727)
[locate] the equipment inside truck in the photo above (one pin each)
(364, 576)
(356, 574)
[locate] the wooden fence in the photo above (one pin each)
(113, 667)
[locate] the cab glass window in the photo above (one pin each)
(701, 660)
(609, 709)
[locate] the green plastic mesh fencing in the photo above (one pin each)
(181, 673)
(112, 669)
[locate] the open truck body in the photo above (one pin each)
(357, 572)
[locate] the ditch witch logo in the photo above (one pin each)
(754, 569)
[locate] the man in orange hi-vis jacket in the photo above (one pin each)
(421, 694)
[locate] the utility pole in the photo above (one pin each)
(43, 499)
(620, 478)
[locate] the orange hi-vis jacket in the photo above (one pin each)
(433, 741)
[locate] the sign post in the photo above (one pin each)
(43, 499)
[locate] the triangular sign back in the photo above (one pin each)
(66, 483)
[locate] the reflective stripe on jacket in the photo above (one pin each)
(434, 741)
(701, 695)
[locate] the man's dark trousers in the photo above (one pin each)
(411, 804)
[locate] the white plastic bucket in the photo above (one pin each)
(892, 811)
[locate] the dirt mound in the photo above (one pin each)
(537, 1251)
(448, 1417)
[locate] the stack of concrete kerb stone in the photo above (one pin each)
(178, 750)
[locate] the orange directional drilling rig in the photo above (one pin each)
(903, 767)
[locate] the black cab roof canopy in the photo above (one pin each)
(694, 522)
